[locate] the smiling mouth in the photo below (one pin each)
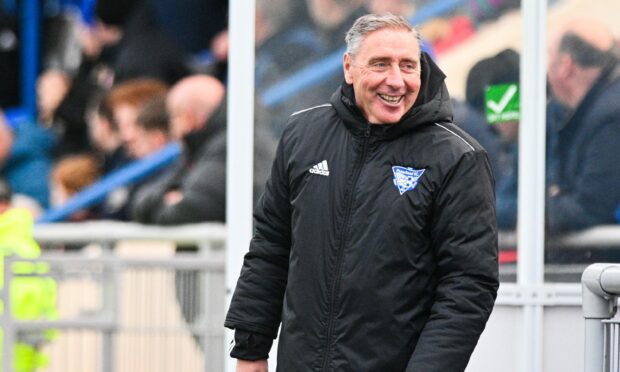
(390, 99)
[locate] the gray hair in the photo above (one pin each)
(374, 22)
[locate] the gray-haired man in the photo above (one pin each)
(375, 243)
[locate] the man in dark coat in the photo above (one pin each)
(375, 245)
(583, 175)
(194, 189)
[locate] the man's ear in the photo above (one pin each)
(191, 118)
(347, 66)
(566, 67)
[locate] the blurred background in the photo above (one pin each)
(113, 161)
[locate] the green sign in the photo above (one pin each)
(502, 103)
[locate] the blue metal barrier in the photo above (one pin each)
(316, 72)
(126, 175)
(30, 29)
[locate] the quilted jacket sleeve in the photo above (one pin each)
(464, 235)
(256, 304)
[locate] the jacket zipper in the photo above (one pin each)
(339, 260)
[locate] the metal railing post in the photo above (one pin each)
(111, 297)
(205, 296)
(8, 329)
(600, 285)
(30, 35)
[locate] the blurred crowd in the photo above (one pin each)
(152, 72)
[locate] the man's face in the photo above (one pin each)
(180, 123)
(148, 142)
(553, 71)
(559, 72)
(5, 205)
(125, 116)
(385, 74)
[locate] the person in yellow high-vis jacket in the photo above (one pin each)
(31, 296)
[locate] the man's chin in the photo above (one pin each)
(388, 118)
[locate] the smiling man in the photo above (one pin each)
(375, 245)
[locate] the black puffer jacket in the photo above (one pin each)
(364, 272)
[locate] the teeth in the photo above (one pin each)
(390, 99)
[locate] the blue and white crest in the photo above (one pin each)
(406, 179)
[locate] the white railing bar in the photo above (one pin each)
(106, 231)
(110, 231)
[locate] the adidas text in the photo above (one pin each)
(320, 169)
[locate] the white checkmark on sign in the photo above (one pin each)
(498, 107)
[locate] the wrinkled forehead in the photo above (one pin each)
(392, 40)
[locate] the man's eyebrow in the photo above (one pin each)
(378, 59)
(414, 61)
(388, 59)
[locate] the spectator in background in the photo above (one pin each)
(105, 136)
(70, 175)
(152, 135)
(51, 88)
(61, 109)
(31, 297)
(194, 189)
(152, 128)
(122, 43)
(5, 196)
(126, 101)
(140, 112)
(499, 139)
(583, 174)
(63, 97)
(6, 139)
(106, 139)
(27, 162)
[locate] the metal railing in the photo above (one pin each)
(600, 289)
(136, 311)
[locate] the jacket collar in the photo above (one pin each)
(431, 106)
(195, 140)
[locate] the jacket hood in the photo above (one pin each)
(431, 106)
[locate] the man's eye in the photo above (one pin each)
(408, 67)
(379, 65)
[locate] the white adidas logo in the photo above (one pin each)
(320, 168)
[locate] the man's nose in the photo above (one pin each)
(395, 78)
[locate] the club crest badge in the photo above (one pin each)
(406, 179)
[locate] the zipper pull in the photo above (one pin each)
(368, 127)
